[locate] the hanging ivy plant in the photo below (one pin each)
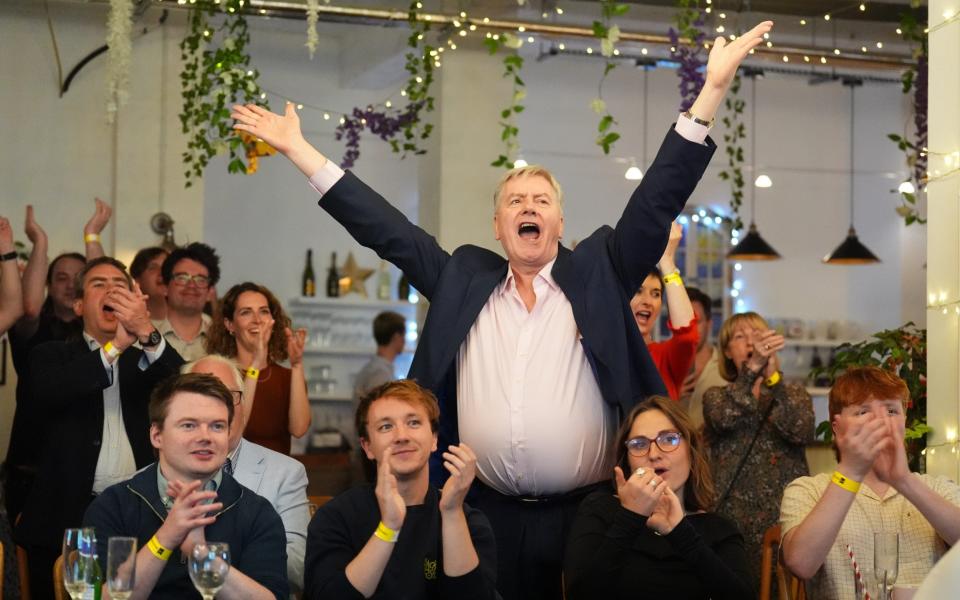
(689, 21)
(403, 128)
(733, 137)
(216, 74)
(512, 64)
(608, 34)
(914, 82)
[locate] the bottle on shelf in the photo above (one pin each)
(309, 287)
(383, 282)
(333, 278)
(403, 288)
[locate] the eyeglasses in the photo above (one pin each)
(237, 397)
(201, 281)
(667, 441)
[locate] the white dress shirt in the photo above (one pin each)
(527, 400)
(115, 462)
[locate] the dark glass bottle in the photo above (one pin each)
(333, 278)
(309, 286)
(403, 288)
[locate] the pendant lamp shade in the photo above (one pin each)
(752, 246)
(851, 250)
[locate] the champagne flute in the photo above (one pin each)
(209, 564)
(75, 561)
(886, 554)
(121, 566)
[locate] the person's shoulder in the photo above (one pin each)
(713, 527)
(477, 257)
(358, 499)
(272, 458)
(811, 484)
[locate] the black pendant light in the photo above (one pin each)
(851, 250)
(753, 246)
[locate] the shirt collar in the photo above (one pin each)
(546, 274)
(212, 485)
(91, 342)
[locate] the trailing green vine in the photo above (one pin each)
(422, 58)
(216, 73)
(608, 35)
(733, 141)
(914, 81)
(512, 64)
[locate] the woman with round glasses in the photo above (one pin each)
(252, 327)
(654, 537)
(757, 428)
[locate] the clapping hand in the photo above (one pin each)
(393, 509)
(6, 236)
(667, 263)
(891, 464)
(33, 230)
(461, 462)
(766, 344)
(641, 492)
(100, 218)
(130, 306)
(186, 519)
(295, 343)
(261, 351)
(861, 439)
(667, 514)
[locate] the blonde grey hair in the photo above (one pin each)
(191, 367)
(528, 171)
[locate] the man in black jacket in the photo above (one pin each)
(186, 498)
(93, 394)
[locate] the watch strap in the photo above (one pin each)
(698, 120)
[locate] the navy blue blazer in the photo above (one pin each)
(599, 277)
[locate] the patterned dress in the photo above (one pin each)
(731, 417)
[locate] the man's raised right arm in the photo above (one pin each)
(281, 132)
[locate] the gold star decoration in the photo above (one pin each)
(353, 278)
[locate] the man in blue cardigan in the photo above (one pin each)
(534, 359)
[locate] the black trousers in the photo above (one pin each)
(40, 562)
(531, 537)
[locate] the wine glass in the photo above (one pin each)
(886, 553)
(121, 566)
(76, 561)
(209, 564)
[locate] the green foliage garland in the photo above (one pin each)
(420, 65)
(733, 137)
(216, 73)
(512, 64)
(608, 35)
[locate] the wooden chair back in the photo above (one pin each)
(59, 588)
(316, 502)
(789, 587)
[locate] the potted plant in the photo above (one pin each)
(903, 351)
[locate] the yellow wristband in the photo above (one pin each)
(91, 238)
(673, 278)
(773, 379)
(386, 534)
(846, 483)
(252, 373)
(157, 549)
(110, 350)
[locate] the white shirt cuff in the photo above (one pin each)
(691, 131)
(328, 175)
(149, 356)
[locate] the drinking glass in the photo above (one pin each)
(76, 561)
(886, 553)
(209, 564)
(121, 566)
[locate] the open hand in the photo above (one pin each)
(725, 57)
(461, 462)
(100, 218)
(667, 262)
(6, 236)
(891, 464)
(861, 440)
(641, 492)
(33, 230)
(280, 131)
(667, 514)
(393, 509)
(295, 343)
(766, 344)
(261, 351)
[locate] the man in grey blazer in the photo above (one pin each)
(274, 476)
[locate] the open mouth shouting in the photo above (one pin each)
(643, 316)
(529, 230)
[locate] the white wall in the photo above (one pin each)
(58, 153)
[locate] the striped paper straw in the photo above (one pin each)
(856, 572)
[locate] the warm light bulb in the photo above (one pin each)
(737, 267)
(633, 173)
(951, 434)
(906, 187)
(949, 13)
(763, 181)
(826, 17)
(519, 163)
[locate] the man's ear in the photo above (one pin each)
(155, 436)
(78, 306)
(434, 448)
(365, 444)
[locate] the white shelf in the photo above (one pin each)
(329, 398)
(803, 343)
(818, 391)
(341, 351)
(351, 301)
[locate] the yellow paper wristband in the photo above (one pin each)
(91, 238)
(846, 483)
(673, 278)
(157, 549)
(386, 534)
(110, 350)
(773, 379)
(253, 373)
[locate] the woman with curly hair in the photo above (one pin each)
(653, 534)
(252, 327)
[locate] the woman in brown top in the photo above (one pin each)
(757, 403)
(252, 327)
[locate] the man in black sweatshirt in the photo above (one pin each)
(402, 539)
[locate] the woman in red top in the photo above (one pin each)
(252, 327)
(673, 357)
